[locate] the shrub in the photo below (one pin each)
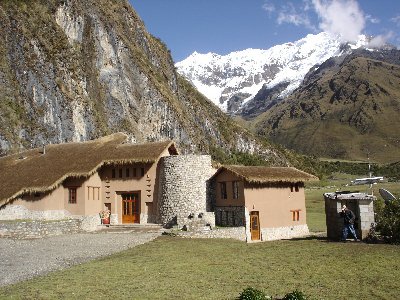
(253, 294)
(295, 295)
(388, 221)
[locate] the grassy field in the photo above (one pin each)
(176, 268)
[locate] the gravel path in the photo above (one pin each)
(24, 259)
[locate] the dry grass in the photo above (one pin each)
(262, 174)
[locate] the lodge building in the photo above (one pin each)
(151, 183)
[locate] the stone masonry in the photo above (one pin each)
(183, 191)
(39, 228)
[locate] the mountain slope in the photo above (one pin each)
(347, 108)
(75, 70)
(232, 80)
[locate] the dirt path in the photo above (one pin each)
(24, 259)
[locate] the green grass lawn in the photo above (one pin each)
(176, 268)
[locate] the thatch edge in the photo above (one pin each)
(308, 177)
(57, 183)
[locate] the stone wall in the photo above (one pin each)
(231, 216)
(13, 212)
(38, 228)
(28, 229)
(279, 233)
(183, 192)
(366, 217)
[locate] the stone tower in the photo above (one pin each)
(184, 195)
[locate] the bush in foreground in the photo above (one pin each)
(388, 221)
(296, 295)
(253, 294)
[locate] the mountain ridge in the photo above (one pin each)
(242, 74)
(347, 108)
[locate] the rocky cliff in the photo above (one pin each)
(75, 70)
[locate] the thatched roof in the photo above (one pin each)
(260, 175)
(32, 171)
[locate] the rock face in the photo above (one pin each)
(75, 70)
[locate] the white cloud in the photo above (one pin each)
(289, 14)
(268, 6)
(371, 19)
(340, 17)
(396, 20)
(380, 40)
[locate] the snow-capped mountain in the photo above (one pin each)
(232, 80)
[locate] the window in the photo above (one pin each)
(120, 173)
(223, 190)
(296, 215)
(294, 187)
(113, 173)
(142, 172)
(134, 172)
(93, 193)
(127, 172)
(235, 188)
(72, 195)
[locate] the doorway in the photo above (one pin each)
(255, 225)
(131, 207)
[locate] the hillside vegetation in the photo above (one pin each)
(346, 109)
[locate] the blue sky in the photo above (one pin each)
(223, 26)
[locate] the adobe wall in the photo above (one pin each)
(275, 205)
(183, 196)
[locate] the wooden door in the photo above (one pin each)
(130, 208)
(254, 226)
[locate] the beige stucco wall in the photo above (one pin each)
(275, 204)
(93, 204)
(47, 201)
(77, 208)
(113, 188)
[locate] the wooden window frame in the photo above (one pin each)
(223, 191)
(92, 191)
(296, 215)
(72, 195)
(235, 189)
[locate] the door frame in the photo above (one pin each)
(139, 202)
(255, 214)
